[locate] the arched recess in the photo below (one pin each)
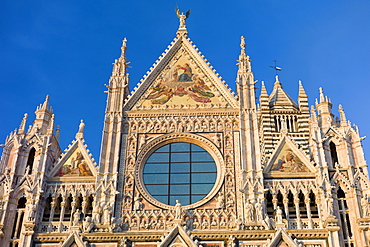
(30, 160)
(333, 153)
(18, 218)
(344, 217)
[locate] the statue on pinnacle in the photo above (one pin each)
(182, 17)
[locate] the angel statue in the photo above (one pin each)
(182, 17)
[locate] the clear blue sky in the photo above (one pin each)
(66, 48)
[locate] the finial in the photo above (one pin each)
(57, 134)
(343, 119)
(277, 83)
(322, 97)
(182, 18)
(242, 44)
(81, 127)
(313, 113)
(80, 133)
(45, 105)
(124, 46)
(22, 126)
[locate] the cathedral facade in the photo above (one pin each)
(186, 162)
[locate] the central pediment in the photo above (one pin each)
(181, 78)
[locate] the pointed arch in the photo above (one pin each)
(30, 160)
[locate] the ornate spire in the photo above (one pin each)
(245, 80)
(120, 64)
(45, 106)
(343, 119)
(22, 126)
(43, 113)
(264, 97)
(302, 92)
(244, 61)
(302, 98)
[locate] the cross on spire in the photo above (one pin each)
(276, 68)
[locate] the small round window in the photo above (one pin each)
(179, 171)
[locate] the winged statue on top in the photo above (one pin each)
(182, 17)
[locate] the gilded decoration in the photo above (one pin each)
(288, 161)
(180, 83)
(75, 166)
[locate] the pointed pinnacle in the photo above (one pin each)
(277, 83)
(313, 113)
(342, 114)
(45, 105)
(322, 97)
(242, 45)
(124, 47)
(302, 92)
(263, 89)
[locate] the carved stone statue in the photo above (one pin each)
(268, 222)
(220, 201)
(31, 212)
(138, 204)
(81, 127)
(76, 217)
(249, 216)
(116, 225)
(97, 212)
(279, 215)
(107, 214)
(330, 206)
(87, 224)
(178, 210)
(365, 207)
(182, 17)
(259, 211)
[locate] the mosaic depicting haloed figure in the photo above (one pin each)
(289, 162)
(180, 81)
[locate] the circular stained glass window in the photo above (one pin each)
(179, 171)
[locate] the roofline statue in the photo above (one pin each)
(182, 17)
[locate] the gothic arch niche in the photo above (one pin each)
(30, 160)
(18, 218)
(344, 217)
(333, 154)
(161, 141)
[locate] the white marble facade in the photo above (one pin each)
(284, 174)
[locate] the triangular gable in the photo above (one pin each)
(179, 237)
(76, 163)
(279, 99)
(288, 161)
(181, 77)
(73, 240)
(282, 239)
